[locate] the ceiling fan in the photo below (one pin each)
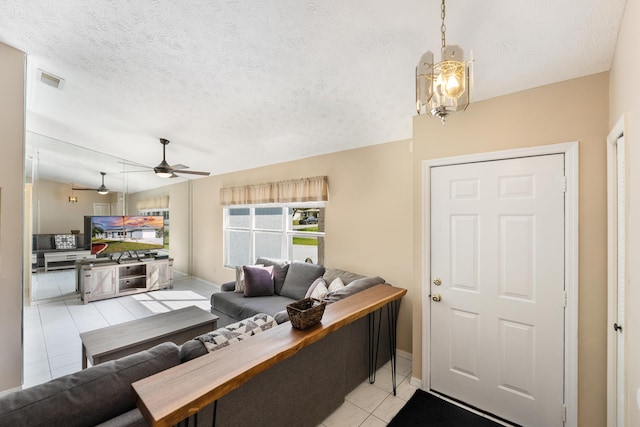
(164, 170)
(101, 190)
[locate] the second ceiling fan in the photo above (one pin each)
(101, 190)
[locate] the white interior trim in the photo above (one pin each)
(570, 151)
(612, 244)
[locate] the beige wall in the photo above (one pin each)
(368, 216)
(625, 98)
(574, 110)
(12, 107)
(52, 212)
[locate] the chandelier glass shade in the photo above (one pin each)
(443, 87)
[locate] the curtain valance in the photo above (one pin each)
(314, 189)
(161, 202)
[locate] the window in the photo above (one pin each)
(288, 231)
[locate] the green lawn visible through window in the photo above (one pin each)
(305, 241)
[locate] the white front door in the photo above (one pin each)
(498, 292)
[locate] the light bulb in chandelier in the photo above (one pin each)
(443, 87)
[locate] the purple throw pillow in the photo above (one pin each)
(258, 281)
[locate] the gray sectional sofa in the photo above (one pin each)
(291, 282)
(302, 390)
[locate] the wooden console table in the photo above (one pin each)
(113, 342)
(169, 397)
(97, 279)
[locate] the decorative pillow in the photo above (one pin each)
(299, 279)
(313, 286)
(258, 281)
(240, 278)
(235, 332)
(280, 268)
(320, 291)
(65, 241)
(336, 284)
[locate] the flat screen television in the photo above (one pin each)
(116, 234)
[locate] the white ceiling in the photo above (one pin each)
(239, 84)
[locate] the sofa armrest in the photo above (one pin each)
(229, 286)
(281, 317)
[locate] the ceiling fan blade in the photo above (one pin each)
(135, 171)
(192, 172)
(179, 166)
(83, 189)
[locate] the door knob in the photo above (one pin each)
(436, 298)
(437, 282)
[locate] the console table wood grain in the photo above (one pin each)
(113, 342)
(169, 397)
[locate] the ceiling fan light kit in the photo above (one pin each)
(443, 87)
(101, 190)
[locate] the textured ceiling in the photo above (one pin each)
(240, 84)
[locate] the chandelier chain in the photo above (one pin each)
(443, 27)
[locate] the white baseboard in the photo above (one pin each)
(416, 382)
(404, 354)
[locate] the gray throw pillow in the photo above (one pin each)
(280, 268)
(300, 277)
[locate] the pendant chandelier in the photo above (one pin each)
(443, 87)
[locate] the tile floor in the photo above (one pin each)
(52, 345)
(52, 284)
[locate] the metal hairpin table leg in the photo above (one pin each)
(215, 410)
(374, 344)
(392, 310)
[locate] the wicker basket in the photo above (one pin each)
(305, 313)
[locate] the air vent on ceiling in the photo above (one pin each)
(50, 80)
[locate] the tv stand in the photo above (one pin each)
(101, 280)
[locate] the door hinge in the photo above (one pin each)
(564, 299)
(564, 184)
(564, 413)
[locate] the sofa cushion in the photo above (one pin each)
(133, 418)
(258, 281)
(87, 397)
(280, 269)
(191, 350)
(346, 276)
(281, 317)
(236, 332)
(299, 278)
(237, 306)
(353, 287)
